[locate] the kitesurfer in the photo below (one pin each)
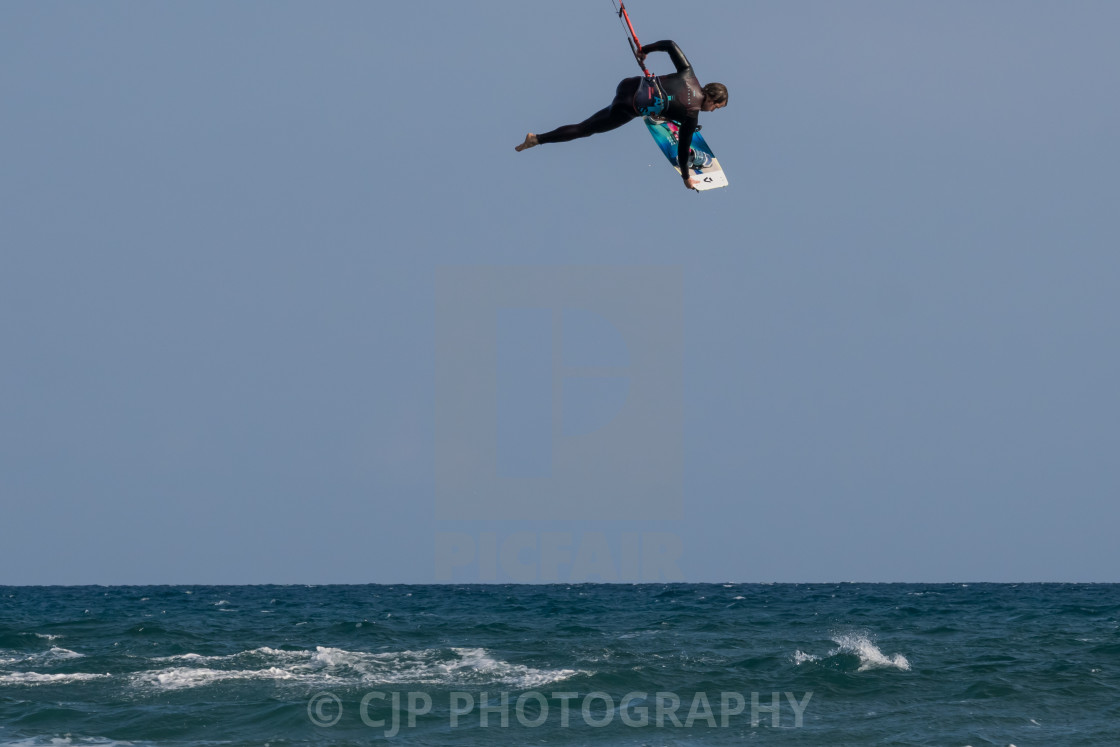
(678, 97)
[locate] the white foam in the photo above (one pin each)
(66, 741)
(60, 654)
(870, 657)
(456, 666)
(53, 654)
(428, 666)
(183, 657)
(477, 661)
(264, 652)
(800, 657)
(177, 678)
(34, 678)
(336, 657)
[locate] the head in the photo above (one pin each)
(715, 97)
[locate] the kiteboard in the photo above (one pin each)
(664, 134)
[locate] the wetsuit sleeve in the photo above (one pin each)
(675, 53)
(684, 144)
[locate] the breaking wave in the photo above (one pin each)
(324, 665)
(856, 645)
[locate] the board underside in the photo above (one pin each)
(665, 135)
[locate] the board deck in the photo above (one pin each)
(665, 135)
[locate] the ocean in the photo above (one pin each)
(596, 664)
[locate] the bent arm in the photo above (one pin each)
(675, 53)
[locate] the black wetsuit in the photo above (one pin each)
(684, 99)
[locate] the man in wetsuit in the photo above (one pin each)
(678, 97)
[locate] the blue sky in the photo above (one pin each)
(887, 349)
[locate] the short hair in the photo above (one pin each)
(715, 93)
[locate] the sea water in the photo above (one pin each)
(677, 664)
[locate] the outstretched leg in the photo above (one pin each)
(603, 120)
(617, 114)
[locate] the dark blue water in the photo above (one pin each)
(847, 664)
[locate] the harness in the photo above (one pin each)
(650, 99)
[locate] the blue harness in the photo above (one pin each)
(650, 99)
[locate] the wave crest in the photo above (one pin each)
(870, 657)
(860, 646)
(440, 667)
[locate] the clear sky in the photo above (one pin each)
(280, 303)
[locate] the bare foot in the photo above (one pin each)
(530, 141)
